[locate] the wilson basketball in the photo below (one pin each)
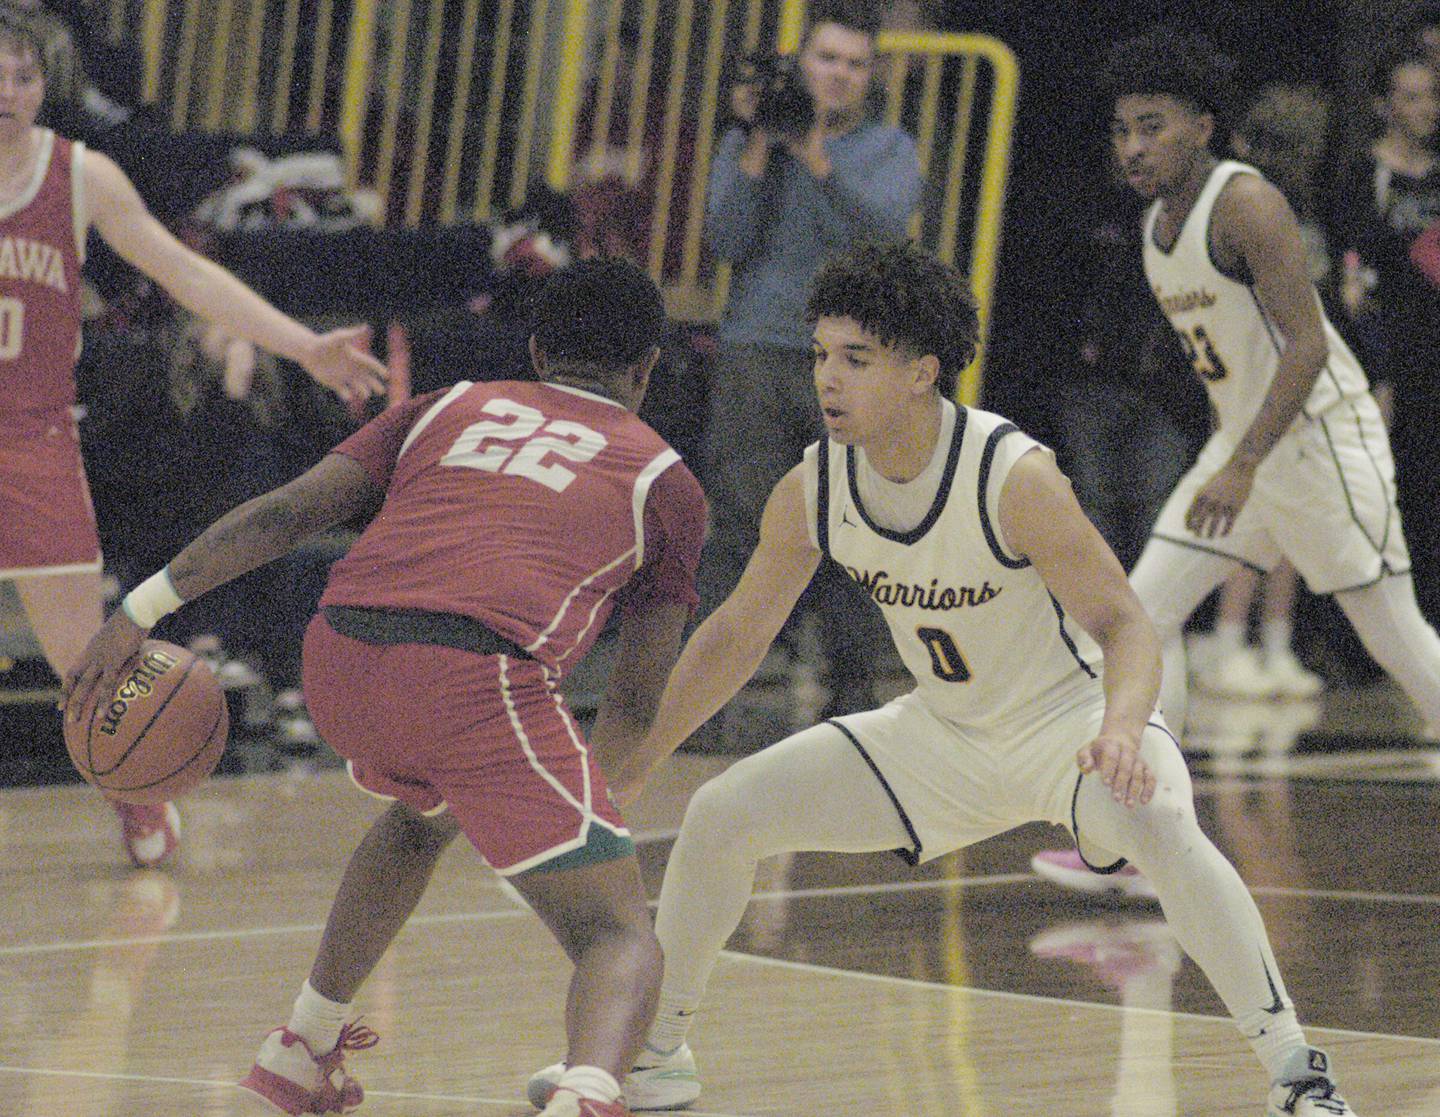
(161, 733)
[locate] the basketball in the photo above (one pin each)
(160, 735)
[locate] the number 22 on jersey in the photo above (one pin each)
(519, 440)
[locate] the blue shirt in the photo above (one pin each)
(777, 230)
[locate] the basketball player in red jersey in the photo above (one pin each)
(52, 192)
(509, 518)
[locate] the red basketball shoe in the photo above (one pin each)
(565, 1102)
(293, 1079)
(151, 833)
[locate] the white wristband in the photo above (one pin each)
(152, 599)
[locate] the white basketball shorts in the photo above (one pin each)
(954, 787)
(1324, 498)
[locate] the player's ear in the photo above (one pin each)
(927, 370)
(643, 368)
(1205, 128)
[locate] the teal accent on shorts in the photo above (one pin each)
(602, 845)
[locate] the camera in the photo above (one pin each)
(783, 104)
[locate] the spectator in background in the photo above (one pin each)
(778, 204)
(1425, 32)
(617, 173)
(1134, 418)
(1386, 200)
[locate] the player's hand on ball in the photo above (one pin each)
(98, 672)
(1117, 759)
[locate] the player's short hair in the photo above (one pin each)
(905, 297)
(23, 36)
(604, 311)
(1170, 62)
(850, 14)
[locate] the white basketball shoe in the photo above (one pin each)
(1305, 1088)
(670, 1084)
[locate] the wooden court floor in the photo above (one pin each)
(966, 988)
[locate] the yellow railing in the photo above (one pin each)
(447, 108)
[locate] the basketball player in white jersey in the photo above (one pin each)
(1037, 673)
(1299, 464)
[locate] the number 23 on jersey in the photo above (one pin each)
(1200, 352)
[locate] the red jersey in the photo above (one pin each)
(42, 245)
(532, 507)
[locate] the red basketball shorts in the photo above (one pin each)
(487, 736)
(47, 523)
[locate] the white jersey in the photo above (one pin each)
(976, 626)
(1226, 333)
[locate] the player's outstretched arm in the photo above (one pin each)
(115, 209)
(648, 645)
(335, 490)
(727, 648)
(1041, 520)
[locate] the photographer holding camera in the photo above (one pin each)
(802, 174)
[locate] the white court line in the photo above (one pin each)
(211, 1083)
(247, 933)
(1035, 998)
(991, 879)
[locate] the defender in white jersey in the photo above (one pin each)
(1300, 462)
(1037, 673)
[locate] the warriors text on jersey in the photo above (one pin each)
(531, 507)
(42, 240)
(1225, 331)
(976, 626)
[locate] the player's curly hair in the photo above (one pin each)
(904, 297)
(1169, 61)
(604, 311)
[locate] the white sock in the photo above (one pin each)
(1275, 639)
(591, 1082)
(318, 1020)
(1273, 1038)
(669, 1029)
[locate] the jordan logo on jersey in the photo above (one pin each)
(913, 596)
(32, 262)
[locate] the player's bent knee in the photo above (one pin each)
(1108, 830)
(584, 906)
(716, 809)
(418, 832)
(1165, 825)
